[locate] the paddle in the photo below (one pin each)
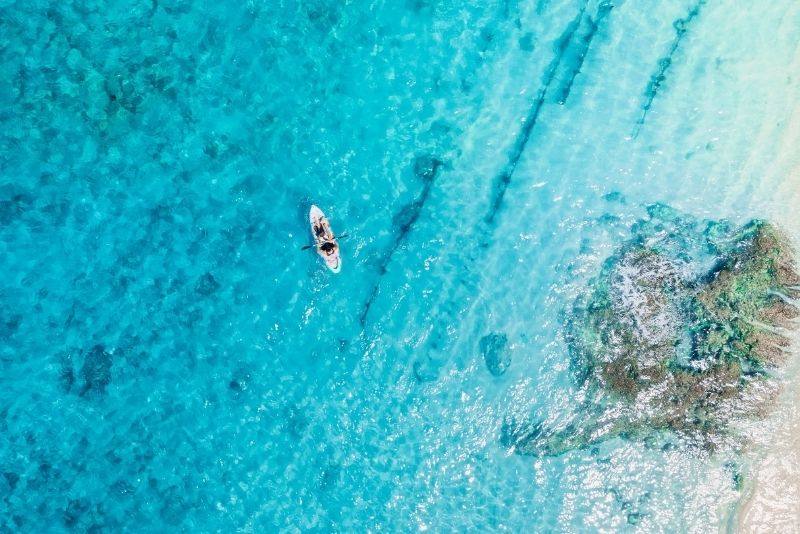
(326, 241)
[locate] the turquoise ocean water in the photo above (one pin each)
(172, 361)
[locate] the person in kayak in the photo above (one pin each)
(328, 247)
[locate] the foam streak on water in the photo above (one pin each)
(171, 359)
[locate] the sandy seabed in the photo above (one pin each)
(771, 502)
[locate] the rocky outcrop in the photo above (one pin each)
(495, 354)
(678, 334)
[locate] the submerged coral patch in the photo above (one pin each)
(493, 348)
(678, 333)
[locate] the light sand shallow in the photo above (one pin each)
(772, 499)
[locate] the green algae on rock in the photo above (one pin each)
(678, 334)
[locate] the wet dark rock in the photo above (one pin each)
(207, 285)
(493, 349)
(677, 334)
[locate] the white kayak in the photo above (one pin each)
(324, 239)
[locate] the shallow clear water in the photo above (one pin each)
(170, 359)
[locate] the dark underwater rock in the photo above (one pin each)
(634, 518)
(96, 370)
(12, 479)
(426, 167)
(76, 508)
(295, 421)
(494, 354)
(425, 370)
(121, 488)
(66, 377)
(330, 476)
(9, 324)
(207, 285)
(678, 334)
(239, 382)
(12, 208)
